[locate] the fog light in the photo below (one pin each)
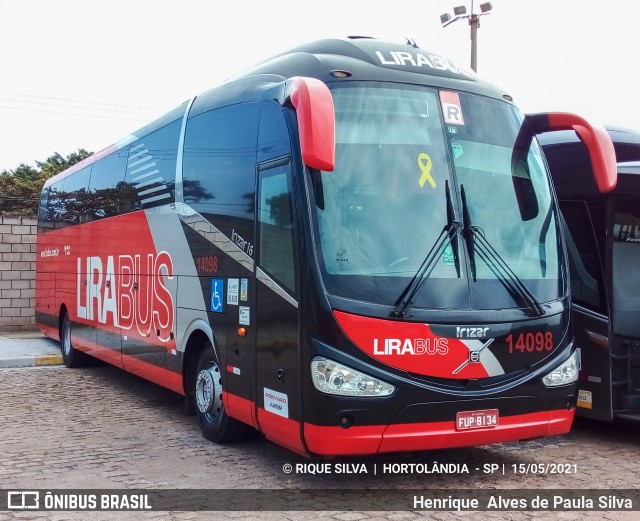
(333, 378)
(565, 373)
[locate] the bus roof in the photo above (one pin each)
(354, 58)
(364, 58)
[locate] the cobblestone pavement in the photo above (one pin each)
(98, 427)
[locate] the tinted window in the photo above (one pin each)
(72, 199)
(55, 204)
(273, 138)
(587, 284)
(42, 209)
(151, 168)
(219, 167)
(276, 226)
(107, 185)
(626, 219)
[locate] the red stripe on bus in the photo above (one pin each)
(336, 440)
(416, 348)
(281, 430)
(51, 332)
(239, 408)
(156, 374)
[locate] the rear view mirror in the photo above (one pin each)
(523, 187)
(595, 138)
(316, 121)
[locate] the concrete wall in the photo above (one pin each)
(17, 273)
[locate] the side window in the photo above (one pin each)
(106, 185)
(55, 205)
(151, 169)
(73, 199)
(273, 137)
(626, 219)
(43, 222)
(587, 283)
(275, 224)
(219, 168)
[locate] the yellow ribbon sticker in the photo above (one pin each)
(425, 164)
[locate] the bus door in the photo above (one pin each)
(590, 311)
(278, 371)
(236, 295)
(625, 309)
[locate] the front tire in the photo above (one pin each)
(214, 422)
(70, 355)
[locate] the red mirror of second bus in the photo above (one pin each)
(316, 121)
(595, 138)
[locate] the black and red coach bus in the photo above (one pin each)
(603, 238)
(352, 248)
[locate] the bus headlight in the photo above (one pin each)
(333, 378)
(564, 374)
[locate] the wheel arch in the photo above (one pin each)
(61, 313)
(197, 334)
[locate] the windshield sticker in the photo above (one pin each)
(457, 150)
(451, 108)
(232, 291)
(244, 316)
(447, 256)
(425, 164)
(341, 255)
(244, 290)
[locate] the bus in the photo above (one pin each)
(352, 248)
(603, 235)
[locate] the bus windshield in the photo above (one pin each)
(404, 155)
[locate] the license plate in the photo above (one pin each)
(466, 420)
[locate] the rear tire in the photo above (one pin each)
(70, 355)
(214, 422)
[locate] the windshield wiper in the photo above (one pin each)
(476, 241)
(467, 232)
(448, 233)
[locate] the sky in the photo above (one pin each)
(85, 73)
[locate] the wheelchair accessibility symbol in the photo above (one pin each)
(217, 295)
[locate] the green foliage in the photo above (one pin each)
(20, 188)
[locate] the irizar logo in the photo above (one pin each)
(408, 346)
(471, 332)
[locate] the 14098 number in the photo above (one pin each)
(207, 264)
(530, 342)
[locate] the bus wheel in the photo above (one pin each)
(71, 356)
(215, 424)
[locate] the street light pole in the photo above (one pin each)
(474, 21)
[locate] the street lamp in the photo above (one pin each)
(459, 13)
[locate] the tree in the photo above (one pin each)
(55, 163)
(25, 173)
(20, 188)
